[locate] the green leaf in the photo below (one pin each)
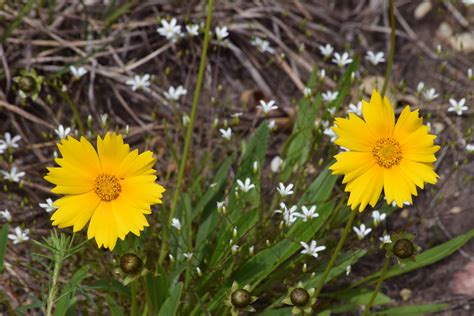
(413, 310)
(111, 286)
(286, 311)
(67, 297)
(355, 298)
(3, 244)
(18, 20)
(156, 289)
(114, 307)
(170, 307)
(428, 257)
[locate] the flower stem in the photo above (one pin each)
(189, 132)
(391, 55)
(53, 291)
(134, 306)
(336, 252)
(377, 287)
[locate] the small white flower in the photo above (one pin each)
(236, 115)
(326, 50)
(341, 60)
(394, 203)
(198, 271)
(332, 110)
(221, 207)
(312, 249)
(308, 214)
(356, 109)
(103, 119)
(62, 132)
(322, 74)
(457, 106)
(192, 29)
(9, 141)
(139, 82)
(226, 133)
(330, 96)
(470, 148)
(377, 217)
(221, 33)
(6, 215)
(174, 94)
(171, 30)
(234, 249)
(307, 92)
(376, 58)
(176, 223)
(348, 269)
(245, 186)
(266, 107)
(13, 175)
(430, 94)
(48, 206)
(285, 190)
(420, 87)
(362, 231)
(19, 236)
(271, 124)
(188, 255)
(276, 164)
(263, 46)
(289, 214)
(330, 133)
(385, 239)
(185, 119)
(77, 72)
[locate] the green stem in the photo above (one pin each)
(391, 55)
(377, 287)
(189, 132)
(53, 291)
(336, 252)
(134, 307)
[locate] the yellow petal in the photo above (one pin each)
(103, 226)
(395, 187)
(365, 188)
(112, 151)
(136, 164)
(128, 218)
(75, 210)
(379, 115)
(407, 123)
(353, 133)
(141, 191)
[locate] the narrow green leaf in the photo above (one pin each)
(18, 20)
(114, 307)
(170, 307)
(67, 297)
(413, 310)
(3, 244)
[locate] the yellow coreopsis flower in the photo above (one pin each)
(396, 157)
(111, 189)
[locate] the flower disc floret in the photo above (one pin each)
(387, 152)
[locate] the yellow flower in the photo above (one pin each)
(111, 188)
(396, 157)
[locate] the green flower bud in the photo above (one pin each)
(404, 248)
(27, 84)
(130, 263)
(240, 298)
(299, 296)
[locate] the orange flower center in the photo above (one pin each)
(107, 187)
(387, 152)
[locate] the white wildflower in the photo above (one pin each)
(457, 106)
(77, 72)
(330, 96)
(420, 87)
(326, 50)
(139, 82)
(341, 60)
(262, 45)
(430, 94)
(307, 92)
(221, 33)
(9, 141)
(289, 214)
(378, 217)
(266, 107)
(285, 190)
(13, 175)
(356, 109)
(188, 255)
(6, 215)
(385, 239)
(171, 30)
(376, 58)
(226, 133)
(307, 214)
(330, 133)
(362, 231)
(62, 132)
(176, 223)
(312, 249)
(470, 148)
(276, 164)
(48, 206)
(173, 94)
(19, 236)
(192, 29)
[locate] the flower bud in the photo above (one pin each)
(27, 84)
(240, 298)
(299, 296)
(130, 263)
(403, 248)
